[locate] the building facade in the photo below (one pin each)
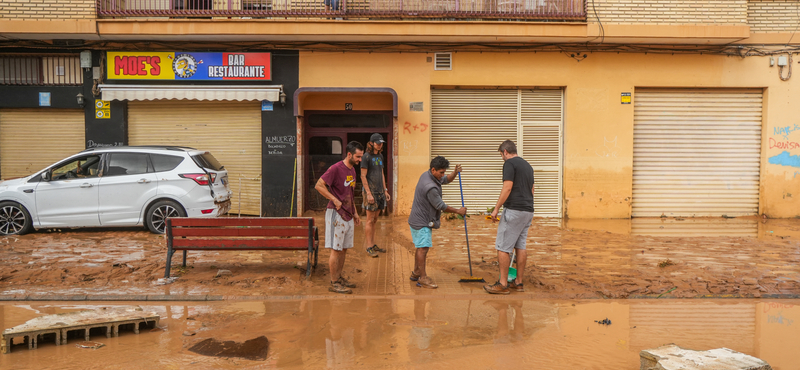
(625, 109)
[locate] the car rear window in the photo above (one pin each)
(162, 162)
(208, 161)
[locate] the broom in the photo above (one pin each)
(470, 278)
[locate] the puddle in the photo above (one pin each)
(254, 349)
(428, 333)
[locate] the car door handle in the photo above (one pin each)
(86, 185)
(28, 191)
(143, 181)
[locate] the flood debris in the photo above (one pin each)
(605, 321)
(672, 357)
(59, 325)
(254, 349)
(89, 345)
(223, 273)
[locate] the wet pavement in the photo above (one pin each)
(423, 333)
(574, 259)
(579, 272)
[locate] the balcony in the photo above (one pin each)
(439, 10)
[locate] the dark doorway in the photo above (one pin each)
(327, 135)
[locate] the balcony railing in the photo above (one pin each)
(531, 10)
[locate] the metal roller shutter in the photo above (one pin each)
(32, 139)
(467, 126)
(696, 152)
(541, 116)
(230, 130)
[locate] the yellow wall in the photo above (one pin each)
(594, 186)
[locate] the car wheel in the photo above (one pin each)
(157, 215)
(14, 219)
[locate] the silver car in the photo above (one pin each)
(116, 186)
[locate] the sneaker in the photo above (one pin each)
(426, 282)
(496, 288)
(379, 249)
(372, 252)
(339, 288)
(342, 281)
(413, 277)
(512, 285)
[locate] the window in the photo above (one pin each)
(83, 167)
(163, 162)
(127, 164)
(53, 70)
(206, 160)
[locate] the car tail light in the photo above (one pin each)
(213, 177)
(206, 211)
(199, 178)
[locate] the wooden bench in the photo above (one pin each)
(242, 233)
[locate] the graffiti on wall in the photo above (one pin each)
(785, 158)
(609, 148)
(420, 127)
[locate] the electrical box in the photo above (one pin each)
(86, 59)
(783, 61)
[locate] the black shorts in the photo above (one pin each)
(380, 201)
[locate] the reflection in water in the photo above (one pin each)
(688, 227)
(432, 333)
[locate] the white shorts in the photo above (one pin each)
(338, 232)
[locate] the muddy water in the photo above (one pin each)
(426, 334)
(573, 259)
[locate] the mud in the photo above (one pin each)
(427, 333)
(566, 260)
(254, 349)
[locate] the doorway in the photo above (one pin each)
(326, 136)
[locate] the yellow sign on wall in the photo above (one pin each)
(102, 109)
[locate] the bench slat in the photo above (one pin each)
(233, 244)
(239, 221)
(221, 232)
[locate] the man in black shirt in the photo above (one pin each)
(512, 233)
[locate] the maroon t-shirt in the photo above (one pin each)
(341, 182)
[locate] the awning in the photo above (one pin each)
(191, 92)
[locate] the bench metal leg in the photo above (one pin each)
(184, 258)
(169, 263)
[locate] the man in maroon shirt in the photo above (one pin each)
(337, 184)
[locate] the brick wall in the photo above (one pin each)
(773, 15)
(729, 12)
(47, 9)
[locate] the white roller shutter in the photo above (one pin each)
(231, 131)
(467, 126)
(696, 152)
(32, 139)
(541, 116)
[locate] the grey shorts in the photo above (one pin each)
(338, 232)
(513, 230)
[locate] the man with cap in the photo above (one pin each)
(375, 193)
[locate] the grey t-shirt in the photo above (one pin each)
(374, 165)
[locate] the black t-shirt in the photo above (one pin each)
(374, 165)
(521, 173)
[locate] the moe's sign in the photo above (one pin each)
(180, 65)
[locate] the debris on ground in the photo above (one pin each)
(188, 333)
(666, 263)
(672, 357)
(223, 273)
(89, 345)
(59, 325)
(254, 349)
(165, 281)
(605, 321)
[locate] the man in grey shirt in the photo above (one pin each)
(426, 212)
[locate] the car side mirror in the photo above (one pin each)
(46, 176)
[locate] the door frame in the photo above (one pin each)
(341, 132)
